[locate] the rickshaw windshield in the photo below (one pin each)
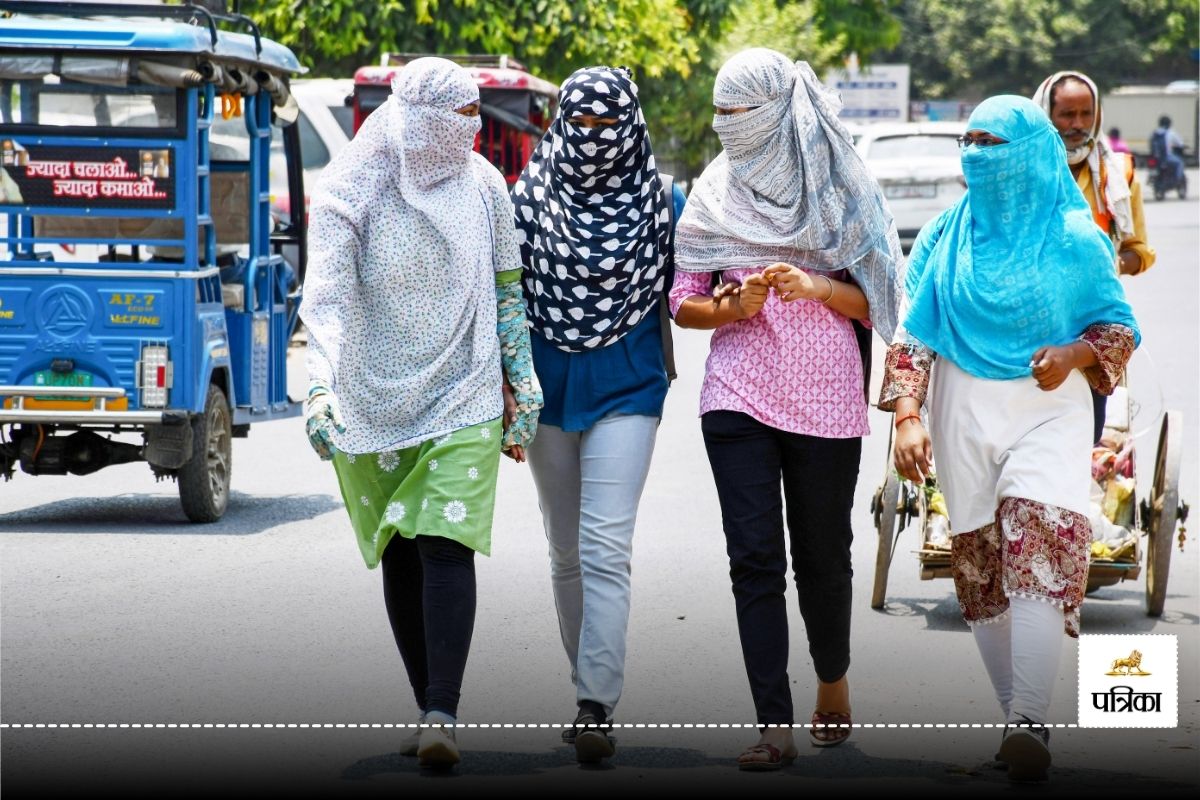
(52, 103)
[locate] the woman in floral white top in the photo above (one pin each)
(413, 307)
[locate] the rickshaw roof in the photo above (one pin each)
(98, 35)
(485, 78)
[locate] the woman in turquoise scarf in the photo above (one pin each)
(1013, 292)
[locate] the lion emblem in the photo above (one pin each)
(1128, 666)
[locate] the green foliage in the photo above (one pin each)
(553, 37)
(673, 47)
(857, 26)
(974, 50)
(680, 111)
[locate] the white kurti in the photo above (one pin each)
(1007, 438)
(399, 297)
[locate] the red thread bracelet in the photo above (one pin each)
(901, 421)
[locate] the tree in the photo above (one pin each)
(970, 52)
(680, 109)
(673, 47)
(552, 37)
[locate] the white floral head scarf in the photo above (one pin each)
(789, 186)
(401, 240)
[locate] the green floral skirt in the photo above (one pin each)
(442, 487)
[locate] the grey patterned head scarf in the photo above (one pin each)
(789, 186)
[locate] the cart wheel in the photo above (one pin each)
(885, 524)
(204, 479)
(1162, 512)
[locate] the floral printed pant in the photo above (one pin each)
(1032, 550)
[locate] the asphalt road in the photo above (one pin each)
(114, 611)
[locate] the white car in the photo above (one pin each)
(326, 124)
(919, 168)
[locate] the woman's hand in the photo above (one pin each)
(516, 452)
(510, 405)
(752, 295)
(792, 283)
(726, 289)
(913, 450)
(1052, 365)
(322, 418)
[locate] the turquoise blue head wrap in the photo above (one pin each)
(1019, 263)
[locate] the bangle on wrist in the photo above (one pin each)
(905, 418)
(830, 297)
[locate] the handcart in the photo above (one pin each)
(1130, 532)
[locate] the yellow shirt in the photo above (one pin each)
(1137, 243)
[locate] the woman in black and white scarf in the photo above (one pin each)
(594, 229)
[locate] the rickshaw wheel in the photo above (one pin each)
(204, 479)
(885, 523)
(1163, 507)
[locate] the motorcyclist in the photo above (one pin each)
(1166, 146)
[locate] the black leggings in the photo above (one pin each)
(1099, 410)
(749, 459)
(429, 591)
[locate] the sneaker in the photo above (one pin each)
(593, 742)
(437, 749)
(1026, 750)
(410, 744)
(998, 761)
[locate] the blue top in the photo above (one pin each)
(1017, 263)
(628, 376)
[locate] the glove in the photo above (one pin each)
(322, 418)
(516, 358)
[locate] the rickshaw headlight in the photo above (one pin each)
(155, 375)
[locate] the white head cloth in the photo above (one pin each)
(1112, 193)
(399, 299)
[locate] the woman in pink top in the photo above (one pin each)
(789, 217)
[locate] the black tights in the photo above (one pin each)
(429, 591)
(750, 461)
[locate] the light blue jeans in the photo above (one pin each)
(589, 484)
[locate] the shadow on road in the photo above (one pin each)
(940, 615)
(846, 769)
(142, 514)
(1123, 610)
(1107, 610)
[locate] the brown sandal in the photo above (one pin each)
(829, 728)
(775, 758)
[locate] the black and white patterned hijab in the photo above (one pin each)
(591, 217)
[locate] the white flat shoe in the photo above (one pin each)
(437, 748)
(410, 744)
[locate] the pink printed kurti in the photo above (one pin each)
(794, 366)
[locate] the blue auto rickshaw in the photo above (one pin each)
(147, 291)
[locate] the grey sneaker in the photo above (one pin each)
(1026, 750)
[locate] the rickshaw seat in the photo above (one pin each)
(230, 194)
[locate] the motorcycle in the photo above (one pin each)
(1163, 179)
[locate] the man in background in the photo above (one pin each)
(1105, 177)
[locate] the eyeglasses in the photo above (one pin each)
(986, 140)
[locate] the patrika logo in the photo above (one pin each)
(1138, 690)
(1127, 666)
